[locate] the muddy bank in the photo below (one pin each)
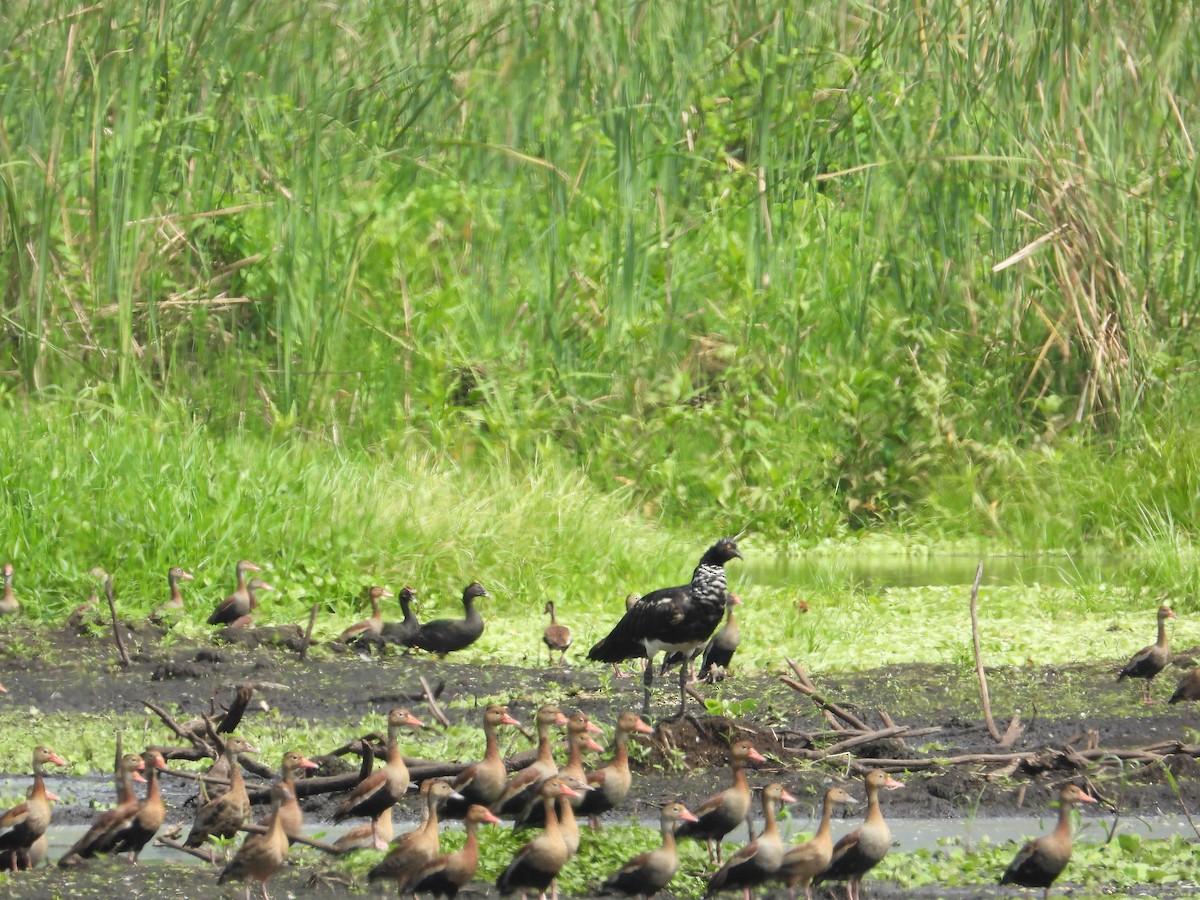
(1064, 709)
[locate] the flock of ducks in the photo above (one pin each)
(542, 795)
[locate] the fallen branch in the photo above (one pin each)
(191, 851)
(431, 702)
(802, 684)
(255, 828)
(179, 730)
(312, 620)
(856, 741)
(116, 625)
(237, 709)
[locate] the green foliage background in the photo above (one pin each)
(733, 263)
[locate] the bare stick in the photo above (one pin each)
(116, 625)
(802, 684)
(1007, 739)
(170, 722)
(845, 745)
(191, 851)
(237, 709)
(255, 828)
(431, 702)
(312, 620)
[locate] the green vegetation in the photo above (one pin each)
(712, 262)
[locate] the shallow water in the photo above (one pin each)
(924, 570)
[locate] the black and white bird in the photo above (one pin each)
(672, 619)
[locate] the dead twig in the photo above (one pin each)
(116, 625)
(312, 620)
(802, 684)
(237, 709)
(431, 702)
(1015, 728)
(170, 722)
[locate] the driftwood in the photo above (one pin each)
(237, 709)
(832, 711)
(312, 621)
(255, 828)
(116, 625)
(431, 702)
(1015, 728)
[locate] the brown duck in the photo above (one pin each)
(648, 873)
(557, 638)
(803, 862)
(370, 628)
(109, 823)
(9, 604)
(1042, 860)
(255, 585)
(291, 816)
(419, 846)
(719, 652)
(759, 860)
(538, 863)
(173, 607)
(857, 853)
(26, 823)
(35, 854)
(1149, 661)
(141, 829)
(578, 740)
(261, 855)
(1188, 688)
(384, 788)
(513, 800)
(448, 874)
(483, 782)
(723, 812)
(224, 814)
(612, 783)
(240, 602)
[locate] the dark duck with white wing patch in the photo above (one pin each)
(675, 619)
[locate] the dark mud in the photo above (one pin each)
(1077, 706)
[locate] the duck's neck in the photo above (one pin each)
(825, 829)
(566, 819)
(241, 580)
(491, 753)
(668, 836)
(769, 828)
(1063, 831)
(176, 594)
(376, 610)
(39, 786)
(8, 588)
(545, 751)
(153, 792)
(739, 776)
(470, 849)
(551, 827)
(575, 752)
(620, 758)
(127, 782)
(470, 614)
(874, 813)
(406, 608)
(235, 772)
(1162, 632)
(553, 621)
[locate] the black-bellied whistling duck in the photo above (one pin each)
(443, 636)
(1149, 661)
(556, 637)
(1188, 688)
(240, 602)
(87, 612)
(419, 846)
(723, 812)
(372, 627)
(861, 850)
(22, 825)
(618, 672)
(291, 816)
(1043, 859)
(803, 862)
(35, 854)
(719, 652)
(261, 855)
(384, 788)
(140, 830)
(173, 607)
(578, 740)
(96, 838)
(447, 874)
(648, 873)
(253, 586)
(404, 631)
(759, 860)
(612, 783)
(9, 604)
(537, 864)
(672, 619)
(373, 835)
(513, 799)
(224, 814)
(484, 781)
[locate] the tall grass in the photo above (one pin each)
(743, 260)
